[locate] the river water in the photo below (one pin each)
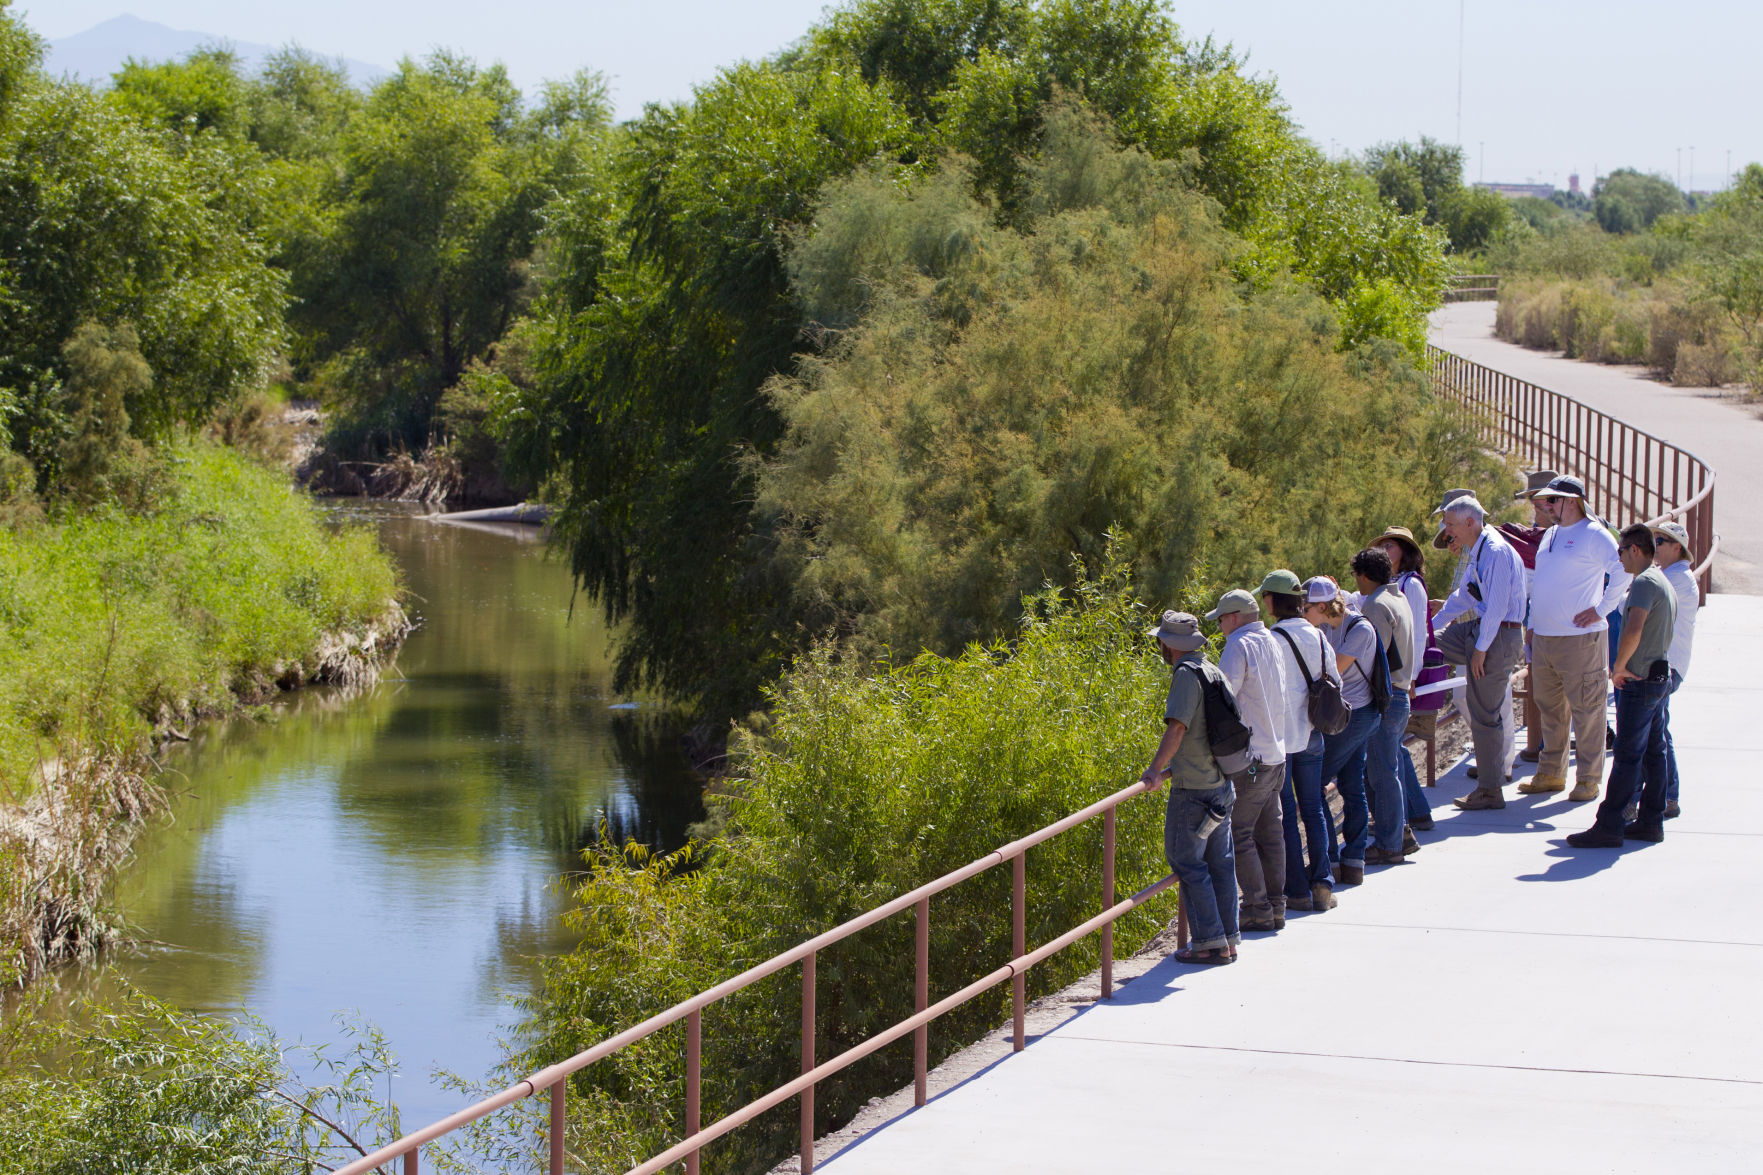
(396, 854)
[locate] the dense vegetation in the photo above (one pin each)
(1652, 282)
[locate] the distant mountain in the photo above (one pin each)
(95, 54)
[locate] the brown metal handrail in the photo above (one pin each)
(1631, 475)
(555, 1078)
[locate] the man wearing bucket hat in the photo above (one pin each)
(1487, 639)
(1579, 580)
(1671, 547)
(1196, 825)
(1252, 667)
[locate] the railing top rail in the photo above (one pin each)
(545, 1078)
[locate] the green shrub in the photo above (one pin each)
(861, 787)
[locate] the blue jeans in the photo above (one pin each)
(1383, 774)
(1671, 747)
(1206, 864)
(1641, 715)
(1343, 760)
(1302, 800)
(1414, 800)
(1615, 622)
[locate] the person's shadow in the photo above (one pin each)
(1570, 864)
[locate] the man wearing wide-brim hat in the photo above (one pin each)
(1196, 825)
(1485, 617)
(1578, 581)
(1671, 551)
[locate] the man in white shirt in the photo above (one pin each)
(1671, 548)
(1487, 637)
(1579, 580)
(1252, 665)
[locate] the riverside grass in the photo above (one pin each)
(118, 627)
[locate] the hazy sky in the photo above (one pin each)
(1549, 87)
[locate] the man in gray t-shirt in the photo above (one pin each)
(1643, 682)
(1196, 826)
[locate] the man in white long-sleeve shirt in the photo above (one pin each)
(1488, 609)
(1579, 581)
(1253, 667)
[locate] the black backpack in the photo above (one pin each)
(1379, 681)
(1329, 711)
(1225, 731)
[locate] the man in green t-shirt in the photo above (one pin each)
(1196, 827)
(1643, 681)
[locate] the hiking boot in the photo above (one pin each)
(1542, 785)
(1301, 904)
(1321, 897)
(1595, 838)
(1530, 756)
(1583, 792)
(1479, 799)
(1643, 830)
(1475, 773)
(1268, 924)
(1352, 874)
(1672, 811)
(1421, 823)
(1410, 842)
(1377, 856)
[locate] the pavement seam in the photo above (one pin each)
(1226, 1048)
(1707, 942)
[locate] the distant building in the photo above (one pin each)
(1513, 191)
(1573, 183)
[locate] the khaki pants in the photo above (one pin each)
(1570, 679)
(1487, 697)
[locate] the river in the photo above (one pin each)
(395, 855)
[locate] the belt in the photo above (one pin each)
(1510, 624)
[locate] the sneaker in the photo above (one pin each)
(1377, 856)
(1609, 737)
(1542, 785)
(1643, 830)
(1583, 792)
(1479, 799)
(1595, 838)
(1410, 842)
(1321, 897)
(1672, 811)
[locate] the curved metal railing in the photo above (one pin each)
(1630, 474)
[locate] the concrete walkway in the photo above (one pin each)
(1722, 429)
(1502, 1003)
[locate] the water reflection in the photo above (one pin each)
(395, 852)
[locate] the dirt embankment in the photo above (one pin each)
(60, 848)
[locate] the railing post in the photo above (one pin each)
(412, 1161)
(807, 1123)
(1018, 943)
(558, 1092)
(1108, 903)
(694, 1082)
(1181, 922)
(921, 1001)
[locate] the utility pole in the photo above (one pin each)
(1460, 4)
(1481, 161)
(1680, 169)
(1692, 167)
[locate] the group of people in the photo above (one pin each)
(1317, 682)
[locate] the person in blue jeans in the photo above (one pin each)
(1304, 815)
(1196, 825)
(1643, 683)
(1355, 645)
(1385, 610)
